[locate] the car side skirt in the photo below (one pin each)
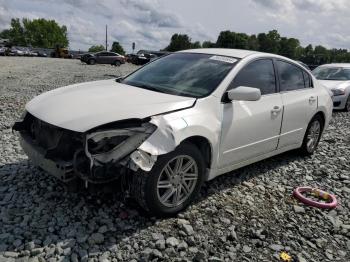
(213, 173)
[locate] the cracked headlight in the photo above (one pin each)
(338, 92)
(105, 144)
(115, 144)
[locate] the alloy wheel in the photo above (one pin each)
(347, 105)
(177, 181)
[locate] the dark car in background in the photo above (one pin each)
(144, 56)
(131, 58)
(103, 58)
(40, 54)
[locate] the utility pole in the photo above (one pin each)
(106, 38)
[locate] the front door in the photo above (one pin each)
(252, 128)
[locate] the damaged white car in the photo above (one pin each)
(176, 122)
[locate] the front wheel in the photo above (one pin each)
(117, 63)
(91, 61)
(173, 182)
(347, 105)
(312, 136)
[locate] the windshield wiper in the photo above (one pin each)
(119, 79)
(148, 87)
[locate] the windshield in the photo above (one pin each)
(332, 73)
(184, 74)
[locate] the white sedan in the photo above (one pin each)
(180, 120)
(336, 77)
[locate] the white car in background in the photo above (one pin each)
(336, 77)
(17, 51)
(180, 120)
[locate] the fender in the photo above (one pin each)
(173, 129)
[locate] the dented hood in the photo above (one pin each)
(81, 107)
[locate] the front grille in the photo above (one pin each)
(45, 135)
(57, 142)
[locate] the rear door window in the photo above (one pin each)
(291, 77)
(307, 80)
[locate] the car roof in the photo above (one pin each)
(238, 53)
(346, 65)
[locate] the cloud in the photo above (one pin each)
(314, 6)
(146, 22)
(150, 23)
(313, 21)
(151, 13)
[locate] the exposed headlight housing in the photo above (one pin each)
(338, 92)
(114, 144)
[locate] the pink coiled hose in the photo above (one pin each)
(318, 193)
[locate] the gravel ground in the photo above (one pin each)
(247, 215)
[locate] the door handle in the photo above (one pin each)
(312, 99)
(275, 110)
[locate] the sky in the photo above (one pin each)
(151, 23)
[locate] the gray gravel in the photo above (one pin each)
(248, 215)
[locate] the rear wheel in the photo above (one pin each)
(312, 135)
(173, 182)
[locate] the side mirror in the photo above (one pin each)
(244, 93)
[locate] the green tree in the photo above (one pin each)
(37, 33)
(5, 34)
(228, 39)
(269, 42)
(307, 55)
(253, 43)
(117, 48)
(288, 47)
(195, 45)
(96, 48)
(16, 32)
(322, 55)
(179, 42)
(208, 44)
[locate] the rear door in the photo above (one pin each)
(251, 128)
(102, 57)
(111, 58)
(299, 100)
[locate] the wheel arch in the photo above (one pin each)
(322, 115)
(204, 146)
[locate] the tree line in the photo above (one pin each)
(271, 42)
(116, 47)
(44, 34)
(36, 33)
(48, 34)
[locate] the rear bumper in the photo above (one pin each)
(60, 169)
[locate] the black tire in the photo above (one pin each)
(347, 105)
(305, 149)
(144, 184)
(91, 61)
(117, 63)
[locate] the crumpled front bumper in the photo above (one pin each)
(62, 170)
(339, 101)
